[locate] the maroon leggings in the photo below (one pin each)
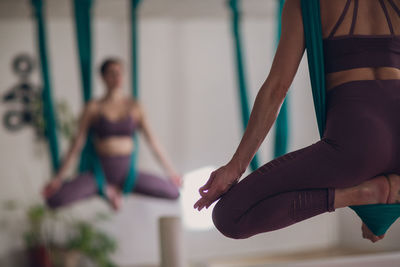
(361, 141)
(115, 170)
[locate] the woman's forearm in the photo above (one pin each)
(70, 157)
(262, 117)
(156, 148)
(161, 157)
(79, 140)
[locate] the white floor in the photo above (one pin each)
(379, 260)
(386, 259)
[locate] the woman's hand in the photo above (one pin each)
(114, 197)
(52, 187)
(176, 179)
(367, 234)
(220, 181)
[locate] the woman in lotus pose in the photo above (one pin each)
(113, 119)
(357, 162)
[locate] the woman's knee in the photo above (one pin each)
(227, 223)
(172, 193)
(54, 202)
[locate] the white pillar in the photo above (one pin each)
(171, 242)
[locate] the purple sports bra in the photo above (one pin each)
(360, 51)
(103, 127)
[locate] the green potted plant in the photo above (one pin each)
(92, 243)
(84, 239)
(35, 242)
(34, 237)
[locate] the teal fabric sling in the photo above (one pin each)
(378, 217)
(242, 85)
(130, 181)
(89, 159)
(48, 108)
(282, 121)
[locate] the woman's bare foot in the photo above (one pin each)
(374, 191)
(392, 198)
(368, 234)
(394, 192)
(114, 197)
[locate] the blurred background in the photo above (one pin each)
(188, 87)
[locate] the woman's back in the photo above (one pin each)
(361, 40)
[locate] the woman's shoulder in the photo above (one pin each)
(133, 103)
(93, 103)
(135, 108)
(92, 106)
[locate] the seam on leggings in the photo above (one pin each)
(278, 161)
(331, 199)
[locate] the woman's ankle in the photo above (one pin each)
(394, 192)
(374, 191)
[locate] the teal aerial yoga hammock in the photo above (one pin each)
(282, 121)
(48, 108)
(89, 158)
(234, 5)
(83, 14)
(378, 217)
(130, 182)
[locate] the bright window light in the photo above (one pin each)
(193, 219)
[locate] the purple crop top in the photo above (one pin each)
(360, 51)
(103, 127)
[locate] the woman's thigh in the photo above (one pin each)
(81, 187)
(155, 186)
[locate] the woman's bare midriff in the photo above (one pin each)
(341, 77)
(114, 146)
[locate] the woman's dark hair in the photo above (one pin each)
(106, 63)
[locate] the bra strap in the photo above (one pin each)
(353, 22)
(341, 18)
(387, 16)
(395, 7)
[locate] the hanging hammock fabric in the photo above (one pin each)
(282, 121)
(48, 108)
(83, 15)
(378, 217)
(236, 17)
(89, 158)
(130, 181)
(315, 56)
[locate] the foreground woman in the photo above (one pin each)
(358, 158)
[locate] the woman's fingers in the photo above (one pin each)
(199, 204)
(177, 181)
(44, 193)
(207, 200)
(218, 183)
(203, 194)
(208, 183)
(51, 188)
(204, 202)
(48, 191)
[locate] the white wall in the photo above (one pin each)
(188, 89)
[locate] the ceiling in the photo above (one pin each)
(157, 8)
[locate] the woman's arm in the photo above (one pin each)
(79, 140)
(155, 146)
(53, 186)
(266, 106)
